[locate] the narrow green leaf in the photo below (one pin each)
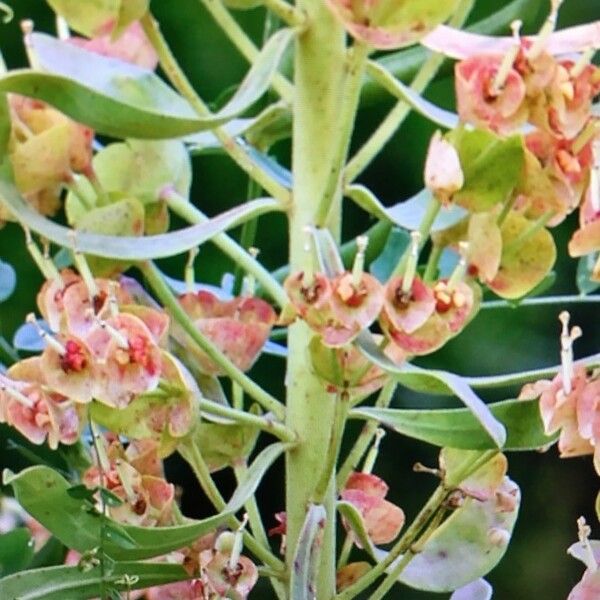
(327, 252)
(435, 382)
(585, 268)
(8, 280)
(435, 114)
(16, 551)
(305, 563)
(64, 583)
(407, 214)
(43, 493)
(397, 243)
(354, 520)
(458, 427)
(132, 248)
(256, 471)
(123, 100)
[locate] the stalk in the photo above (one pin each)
(319, 83)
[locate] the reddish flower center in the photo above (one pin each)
(74, 359)
(446, 299)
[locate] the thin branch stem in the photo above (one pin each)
(366, 436)
(170, 302)
(542, 300)
(244, 44)
(264, 423)
(355, 68)
(193, 457)
(432, 263)
(241, 257)
(287, 13)
(181, 83)
(396, 116)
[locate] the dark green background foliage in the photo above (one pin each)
(555, 492)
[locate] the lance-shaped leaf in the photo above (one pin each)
(469, 544)
(16, 551)
(356, 523)
(435, 382)
(132, 248)
(122, 100)
(256, 471)
(44, 494)
(430, 111)
(407, 214)
(526, 257)
(462, 44)
(491, 167)
(303, 584)
(59, 583)
(459, 428)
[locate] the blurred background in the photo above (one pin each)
(555, 492)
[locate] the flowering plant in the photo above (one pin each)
(124, 367)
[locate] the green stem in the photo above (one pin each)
(170, 302)
(193, 457)
(263, 423)
(319, 85)
(365, 438)
(354, 72)
(9, 352)
(431, 212)
(177, 77)
(421, 521)
(396, 116)
(432, 263)
(542, 300)
(248, 234)
(342, 402)
(241, 257)
(244, 44)
(286, 12)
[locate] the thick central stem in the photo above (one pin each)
(319, 78)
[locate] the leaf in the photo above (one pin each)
(383, 266)
(256, 471)
(430, 111)
(469, 544)
(354, 520)
(585, 268)
(434, 382)
(462, 44)
(527, 257)
(61, 583)
(133, 248)
(42, 492)
(8, 280)
(458, 427)
(123, 100)
(479, 589)
(491, 167)
(305, 564)
(27, 337)
(407, 214)
(16, 551)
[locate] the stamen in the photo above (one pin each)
(411, 263)
(189, 275)
(583, 533)
(249, 282)
(582, 62)
(116, 335)
(62, 28)
(83, 268)
(49, 339)
(27, 29)
(17, 395)
(509, 59)
(460, 270)
(546, 30)
(566, 353)
(308, 277)
(373, 453)
(358, 267)
(238, 544)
